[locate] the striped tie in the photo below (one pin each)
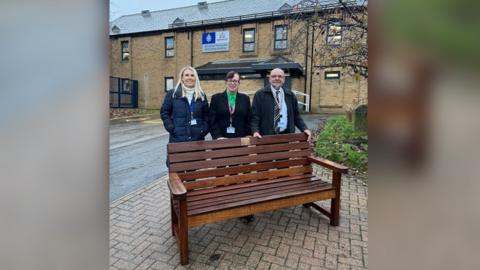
(276, 112)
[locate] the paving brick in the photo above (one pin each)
(351, 261)
(266, 250)
(263, 265)
(309, 244)
(273, 259)
(311, 261)
(319, 251)
(254, 259)
(125, 265)
(331, 261)
(301, 251)
(282, 251)
(304, 266)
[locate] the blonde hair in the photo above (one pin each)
(198, 91)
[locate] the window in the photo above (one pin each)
(334, 34)
(125, 51)
(332, 75)
(280, 37)
(248, 40)
(168, 83)
(169, 47)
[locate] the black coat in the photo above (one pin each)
(263, 110)
(220, 116)
(175, 114)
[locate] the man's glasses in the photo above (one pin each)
(233, 81)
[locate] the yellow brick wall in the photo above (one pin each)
(337, 95)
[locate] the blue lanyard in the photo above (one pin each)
(191, 106)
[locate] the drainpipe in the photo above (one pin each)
(306, 62)
(311, 67)
(191, 48)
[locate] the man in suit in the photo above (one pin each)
(275, 109)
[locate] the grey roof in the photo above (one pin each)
(159, 20)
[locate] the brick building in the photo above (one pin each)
(249, 36)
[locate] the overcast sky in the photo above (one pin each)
(125, 7)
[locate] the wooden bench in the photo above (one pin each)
(211, 181)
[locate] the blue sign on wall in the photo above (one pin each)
(208, 38)
(215, 41)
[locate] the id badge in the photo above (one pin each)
(230, 130)
(193, 122)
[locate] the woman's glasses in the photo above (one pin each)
(233, 81)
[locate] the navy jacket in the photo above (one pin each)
(263, 110)
(220, 116)
(175, 114)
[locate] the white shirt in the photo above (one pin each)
(282, 124)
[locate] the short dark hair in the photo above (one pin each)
(230, 75)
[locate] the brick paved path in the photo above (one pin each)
(293, 238)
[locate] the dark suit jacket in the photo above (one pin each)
(263, 110)
(219, 116)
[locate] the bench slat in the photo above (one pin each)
(228, 180)
(232, 152)
(194, 193)
(259, 185)
(242, 169)
(176, 167)
(233, 142)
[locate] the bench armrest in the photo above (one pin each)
(176, 186)
(328, 164)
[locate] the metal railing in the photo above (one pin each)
(307, 100)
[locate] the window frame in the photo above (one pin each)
(337, 72)
(335, 34)
(123, 51)
(275, 39)
(250, 42)
(169, 49)
(165, 83)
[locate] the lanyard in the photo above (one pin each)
(232, 111)
(191, 107)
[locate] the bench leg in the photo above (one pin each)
(335, 203)
(183, 233)
(335, 212)
(173, 217)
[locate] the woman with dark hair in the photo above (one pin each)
(230, 110)
(185, 109)
(230, 114)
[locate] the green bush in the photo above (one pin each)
(340, 143)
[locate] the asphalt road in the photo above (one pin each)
(138, 153)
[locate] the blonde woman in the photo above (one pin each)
(185, 109)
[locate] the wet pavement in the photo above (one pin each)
(138, 152)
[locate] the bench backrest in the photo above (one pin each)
(204, 164)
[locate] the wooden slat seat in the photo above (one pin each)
(211, 181)
(222, 198)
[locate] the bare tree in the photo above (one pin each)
(331, 34)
